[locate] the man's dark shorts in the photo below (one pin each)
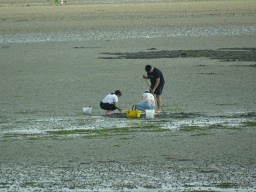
(159, 90)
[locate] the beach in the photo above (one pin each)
(56, 59)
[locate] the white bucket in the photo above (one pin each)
(61, 1)
(87, 110)
(150, 114)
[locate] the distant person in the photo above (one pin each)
(109, 102)
(147, 101)
(157, 83)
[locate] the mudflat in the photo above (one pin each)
(56, 59)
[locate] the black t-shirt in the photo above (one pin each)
(156, 73)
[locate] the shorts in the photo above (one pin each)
(158, 90)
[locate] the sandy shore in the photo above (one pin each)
(73, 17)
(57, 59)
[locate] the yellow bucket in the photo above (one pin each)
(134, 114)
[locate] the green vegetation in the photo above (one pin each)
(250, 114)
(174, 135)
(24, 112)
(144, 156)
(188, 55)
(125, 138)
(27, 184)
(184, 159)
(34, 138)
(208, 171)
(189, 185)
(198, 128)
(22, 122)
(15, 135)
(226, 185)
(192, 128)
(4, 185)
(201, 191)
(149, 187)
(250, 123)
(92, 133)
(223, 104)
(200, 134)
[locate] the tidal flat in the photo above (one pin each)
(56, 59)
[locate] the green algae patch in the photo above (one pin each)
(250, 123)
(226, 185)
(149, 187)
(93, 133)
(117, 145)
(201, 134)
(192, 128)
(208, 171)
(198, 128)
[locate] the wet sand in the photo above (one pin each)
(210, 81)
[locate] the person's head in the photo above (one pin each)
(118, 93)
(148, 68)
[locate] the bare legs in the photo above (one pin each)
(158, 99)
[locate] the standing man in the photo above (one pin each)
(157, 83)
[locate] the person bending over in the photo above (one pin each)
(109, 102)
(147, 101)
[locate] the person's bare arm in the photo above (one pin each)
(156, 85)
(119, 108)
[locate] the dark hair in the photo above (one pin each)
(148, 67)
(117, 92)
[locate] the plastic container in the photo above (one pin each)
(61, 1)
(150, 114)
(133, 114)
(87, 110)
(56, 1)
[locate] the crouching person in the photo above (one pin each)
(109, 102)
(147, 101)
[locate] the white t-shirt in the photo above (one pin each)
(110, 98)
(147, 96)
